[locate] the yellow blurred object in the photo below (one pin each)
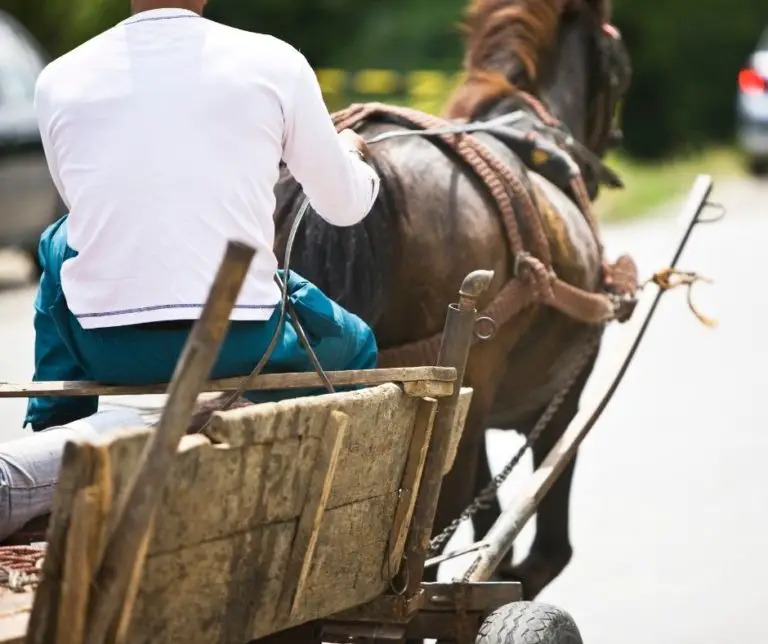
(331, 80)
(426, 84)
(425, 89)
(376, 81)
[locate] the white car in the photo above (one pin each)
(29, 201)
(752, 108)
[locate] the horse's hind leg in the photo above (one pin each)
(551, 548)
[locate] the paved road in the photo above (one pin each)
(671, 489)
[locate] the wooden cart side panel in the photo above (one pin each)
(227, 524)
(462, 409)
(254, 489)
(375, 449)
(409, 486)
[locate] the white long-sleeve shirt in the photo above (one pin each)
(164, 136)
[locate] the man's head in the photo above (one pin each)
(137, 6)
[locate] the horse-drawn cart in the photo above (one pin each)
(302, 521)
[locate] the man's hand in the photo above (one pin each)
(354, 142)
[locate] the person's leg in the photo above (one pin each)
(340, 340)
(29, 466)
(140, 355)
(54, 359)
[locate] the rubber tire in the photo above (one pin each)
(529, 623)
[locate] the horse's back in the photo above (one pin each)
(447, 228)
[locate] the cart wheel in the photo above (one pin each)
(529, 623)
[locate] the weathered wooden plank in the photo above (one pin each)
(351, 547)
(381, 423)
(409, 488)
(428, 388)
(118, 631)
(462, 409)
(81, 551)
(221, 542)
(78, 462)
(266, 382)
(212, 591)
(135, 512)
(319, 490)
(229, 589)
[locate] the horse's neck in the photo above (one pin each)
(565, 84)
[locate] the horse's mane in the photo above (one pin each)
(352, 265)
(506, 41)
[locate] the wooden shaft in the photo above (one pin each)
(454, 351)
(191, 372)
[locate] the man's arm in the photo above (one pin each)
(44, 114)
(340, 186)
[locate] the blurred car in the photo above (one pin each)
(29, 200)
(752, 108)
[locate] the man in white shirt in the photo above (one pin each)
(164, 136)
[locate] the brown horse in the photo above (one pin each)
(435, 221)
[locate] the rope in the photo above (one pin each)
(222, 403)
(20, 566)
(668, 279)
(533, 278)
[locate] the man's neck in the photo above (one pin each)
(137, 6)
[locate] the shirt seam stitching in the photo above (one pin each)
(160, 307)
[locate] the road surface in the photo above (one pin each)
(671, 489)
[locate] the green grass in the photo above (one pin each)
(649, 186)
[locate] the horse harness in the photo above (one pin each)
(533, 280)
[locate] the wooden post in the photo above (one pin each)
(135, 512)
(454, 351)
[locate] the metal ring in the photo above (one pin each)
(713, 205)
(485, 336)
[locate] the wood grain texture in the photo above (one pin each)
(325, 462)
(241, 509)
(409, 487)
(228, 533)
(462, 409)
(438, 376)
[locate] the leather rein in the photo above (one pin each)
(533, 279)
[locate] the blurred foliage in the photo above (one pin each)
(686, 56)
(686, 53)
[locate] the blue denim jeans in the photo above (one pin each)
(29, 466)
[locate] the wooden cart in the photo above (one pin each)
(298, 522)
(301, 521)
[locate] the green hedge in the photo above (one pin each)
(686, 53)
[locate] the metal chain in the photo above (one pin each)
(488, 494)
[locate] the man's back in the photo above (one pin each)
(164, 136)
